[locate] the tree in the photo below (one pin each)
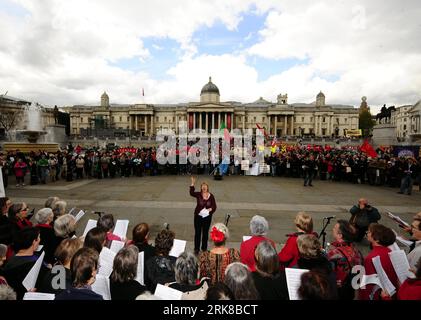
(8, 121)
(366, 122)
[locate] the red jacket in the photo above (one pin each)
(410, 290)
(20, 169)
(383, 252)
(288, 257)
(247, 250)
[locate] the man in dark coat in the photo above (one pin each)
(362, 215)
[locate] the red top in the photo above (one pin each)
(288, 257)
(20, 169)
(202, 203)
(247, 250)
(410, 290)
(24, 223)
(383, 252)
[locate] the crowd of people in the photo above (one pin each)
(349, 164)
(256, 271)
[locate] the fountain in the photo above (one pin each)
(33, 133)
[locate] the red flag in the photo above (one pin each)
(368, 149)
(262, 130)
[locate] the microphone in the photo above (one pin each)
(331, 217)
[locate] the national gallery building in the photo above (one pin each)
(281, 118)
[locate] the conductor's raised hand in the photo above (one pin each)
(193, 180)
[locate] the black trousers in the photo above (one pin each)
(201, 232)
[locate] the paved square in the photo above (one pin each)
(161, 199)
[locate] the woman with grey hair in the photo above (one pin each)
(3, 253)
(270, 282)
(7, 293)
(259, 228)
(64, 228)
(123, 285)
(44, 217)
(214, 263)
(49, 203)
(187, 273)
(59, 208)
(239, 280)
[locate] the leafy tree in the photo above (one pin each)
(366, 122)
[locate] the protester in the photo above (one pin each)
(20, 171)
(83, 267)
(240, 281)
(18, 266)
(219, 291)
(344, 255)
(96, 239)
(63, 255)
(214, 263)
(270, 282)
(289, 254)
(259, 228)
(160, 268)
(205, 200)
(140, 237)
(380, 237)
(315, 286)
(123, 285)
(107, 223)
(44, 217)
(311, 257)
(362, 216)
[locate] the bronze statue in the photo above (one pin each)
(56, 113)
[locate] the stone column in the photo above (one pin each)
(213, 121)
(292, 125)
(225, 120)
(285, 125)
(244, 121)
(146, 125)
(269, 118)
(207, 122)
(152, 125)
(276, 125)
(219, 120)
(194, 120)
(136, 123)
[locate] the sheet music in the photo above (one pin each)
(401, 265)
(245, 238)
(394, 247)
(294, 281)
(178, 248)
(2, 191)
(106, 260)
(116, 246)
(31, 278)
(370, 279)
(140, 268)
(120, 228)
(102, 286)
(79, 216)
(90, 225)
(403, 241)
(204, 213)
(39, 248)
(167, 293)
(397, 219)
(384, 279)
(38, 296)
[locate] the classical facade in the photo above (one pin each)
(278, 118)
(415, 119)
(402, 120)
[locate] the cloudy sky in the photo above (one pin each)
(69, 52)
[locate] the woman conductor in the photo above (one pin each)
(205, 200)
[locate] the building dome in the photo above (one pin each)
(209, 88)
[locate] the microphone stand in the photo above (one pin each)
(227, 218)
(326, 222)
